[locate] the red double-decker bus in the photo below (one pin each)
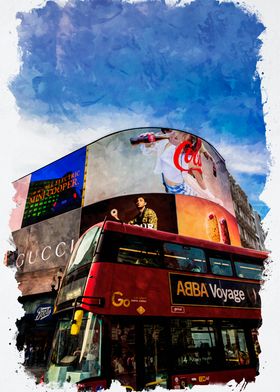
(146, 307)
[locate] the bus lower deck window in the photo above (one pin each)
(193, 343)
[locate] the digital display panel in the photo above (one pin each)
(152, 211)
(201, 218)
(142, 160)
(156, 160)
(56, 188)
(186, 215)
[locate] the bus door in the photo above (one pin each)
(155, 354)
(123, 352)
(139, 353)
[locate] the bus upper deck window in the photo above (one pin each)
(248, 270)
(220, 266)
(137, 250)
(185, 258)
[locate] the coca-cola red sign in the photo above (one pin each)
(156, 160)
(189, 155)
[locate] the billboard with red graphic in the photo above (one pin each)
(156, 160)
(158, 178)
(142, 160)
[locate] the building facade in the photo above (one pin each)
(56, 204)
(249, 222)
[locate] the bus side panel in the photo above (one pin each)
(136, 290)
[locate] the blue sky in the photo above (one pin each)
(188, 66)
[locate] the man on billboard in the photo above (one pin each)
(146, 217)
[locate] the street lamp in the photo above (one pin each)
(56, 280)
(53, 283)
(59, 275)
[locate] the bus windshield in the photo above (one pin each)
(77, 271)
(85, 251)
(76, 357)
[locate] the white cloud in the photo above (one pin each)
(37, 144)
(244, 158)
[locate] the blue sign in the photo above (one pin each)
(43, 313)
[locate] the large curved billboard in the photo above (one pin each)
(182, 179)
(155, 160)
(141, 160)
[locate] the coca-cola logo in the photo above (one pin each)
(185, 151)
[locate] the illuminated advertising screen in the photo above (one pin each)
(201, 218)
(56, 188)
(43, 248)
(156, 160)
(186, 215)
(152, 211)
(21, 187)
